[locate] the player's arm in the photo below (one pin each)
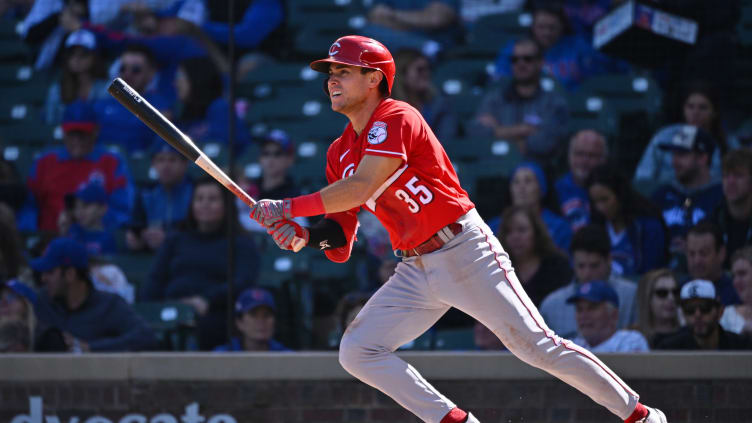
(355, 190)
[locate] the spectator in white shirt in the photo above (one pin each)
(597, 315)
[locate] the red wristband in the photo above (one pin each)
(307, 205)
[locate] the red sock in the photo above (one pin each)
(640, 412)
(454, 416)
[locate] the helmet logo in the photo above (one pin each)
(334, 49)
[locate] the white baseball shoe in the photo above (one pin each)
(654, 416)
(471, 419)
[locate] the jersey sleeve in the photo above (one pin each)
(348, 220)
(388, 137)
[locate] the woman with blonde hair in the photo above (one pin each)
(738, 318)
(658, 304)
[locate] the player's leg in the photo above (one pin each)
(473, 274)
(400, 311)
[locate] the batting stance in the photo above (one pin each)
(389, 161)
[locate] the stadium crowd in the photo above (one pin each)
(627, 214)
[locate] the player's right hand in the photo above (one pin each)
(284, 232)
(268, 212)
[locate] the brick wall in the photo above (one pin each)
(341, 399)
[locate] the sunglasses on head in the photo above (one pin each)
(524, 58)
(134, 69)
(704, 308)
(663, 292)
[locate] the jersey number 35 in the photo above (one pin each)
(421, 192)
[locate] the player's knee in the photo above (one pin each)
(350, 354)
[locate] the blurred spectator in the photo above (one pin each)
(521, 111)
(540, 266)
(14, 337)
(47, 24)
(347, 308)
(276, 158)
(597, 314)
(12, 189)
(705, 257)
(17, 303)
(634, 224)
(85, 223)
(699, 108)
(255, 21)
(658, 304)
(203, 112)
(587, 149)
(485, 340)
(426, 25)
(702, 311)
(591, 260)
(255, 320)
(161, 206)
(738, 318)
(528, 188)
(63, 170)
(565, 55)
(413, 85)
(694, 195)
(11, 251)
(191, 264)
(734, 215)
(471, 10)
(82, 77)
(90, 319)
(118, 125)
(583, 14)
(109, 277)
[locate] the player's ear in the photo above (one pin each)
(374, 78)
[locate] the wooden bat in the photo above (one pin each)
(155, 120)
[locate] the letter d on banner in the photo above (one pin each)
(35, 412)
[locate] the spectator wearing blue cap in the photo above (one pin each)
(63, 170)
(702, 311)
(90, 319)
(528, 188)
(597, 314)
(276, 158)
(87, 220)
(160, 206)
(20, 331)
(255, 321)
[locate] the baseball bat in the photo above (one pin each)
(158, 123)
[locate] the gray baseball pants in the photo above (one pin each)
(473, 274)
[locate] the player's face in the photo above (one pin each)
(257, 324)
(741, 269)
(702, 316)
(604, 200)
(348, 88)
(208, 206)
(524, 188)
(663, 298)
(170, 168)
(596, 321)
(737, 185)
(520, 237)
(698, 110)
(704, 261)
(587, 151)
(590, 266)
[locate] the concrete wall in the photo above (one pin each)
(312, 387)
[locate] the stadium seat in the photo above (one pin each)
(501, 152)
(14, 51)
(626, 93)
(173, 322)
(454, 339)
(459, 76)
(492, 32)
(22, 156)
(422, 343)
(29, 132)
(588, 110)
(8, 30)
(136, 266)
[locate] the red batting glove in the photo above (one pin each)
(284, 232)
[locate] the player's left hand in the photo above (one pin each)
(284, 232)
(267, 212)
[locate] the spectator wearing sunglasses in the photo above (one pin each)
(118, 125)
(534, 120)
(658, 305)
(702, 312)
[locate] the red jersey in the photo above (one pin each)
(424, 194)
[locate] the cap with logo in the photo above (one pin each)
(79, 116)
(93, 192)
(253, 298)
(698, 288)
(690, 138)
(82, 38)
(596, 292)
(65, 252)
(280, 137)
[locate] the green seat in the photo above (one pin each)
(460, 76)
(21, 156)
(16, 74)
(492, 32)
(627, 93)
(14, 50)
(503, 153)
(18, 112)
(29, 132)
(422, 343)
(32, 92)
(454, 339)
(136, 266)
(173, 322)
(8, 30)
(591, 111)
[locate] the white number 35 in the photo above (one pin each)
(423, 194)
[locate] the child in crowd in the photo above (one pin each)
(84, 220)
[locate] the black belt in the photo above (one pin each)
(434, 243)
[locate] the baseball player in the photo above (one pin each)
(388, 161)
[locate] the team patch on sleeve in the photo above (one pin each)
(377, 133)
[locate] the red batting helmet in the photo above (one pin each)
(359, 51)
